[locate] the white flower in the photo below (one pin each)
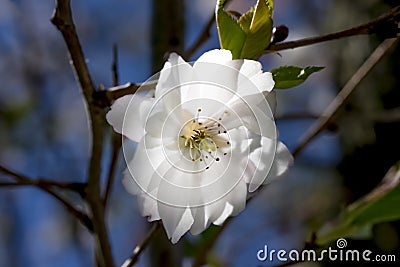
(205, 140)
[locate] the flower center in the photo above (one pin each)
(201, 138)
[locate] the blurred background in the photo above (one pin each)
(44, 131)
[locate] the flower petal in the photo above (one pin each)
(257, 118)
(225, 214)
(176, 220)
(215, 75)
(263, 82)
(138, 179)
(125, 117)
(175, 73)
(219, 56)
(261, 160)
(283, 159)
(148, 206)
(235, 202)
(201, 222)
(252, 80)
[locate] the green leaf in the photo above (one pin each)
(245, 20)
(231, 35)
(258, 29)
(381, 205)
(290, 76)
(248, 36)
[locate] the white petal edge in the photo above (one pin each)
(282, 161)
(125, 117)
(176, 220)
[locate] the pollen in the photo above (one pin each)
(202, 139)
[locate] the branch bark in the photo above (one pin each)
(48, 188)
(116, 137)
(62, 19)
(203, 36)
(375, 26)
(344, 94)
(140, 248)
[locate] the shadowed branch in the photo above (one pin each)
(62, 19)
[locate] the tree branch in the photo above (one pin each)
(203, 36)
(116, 137)
(47, 187)
(62, 19)
(140, 248)
(76, 187)
(377, 25)
(201, 39)
(116, 92)
(344, 94)
(374, 26)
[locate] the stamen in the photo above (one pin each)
(202, 138)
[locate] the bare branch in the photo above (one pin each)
(122, 90)
(116, 92)
(203, 37)
(371, 27)
(116, 147)
(114, 66)
(62, 19)
(116, 138)
(76, 187)
(48, 188)
(140, 248)
(344, 94)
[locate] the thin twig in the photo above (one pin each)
(116, 147)
(24, 180)
(62, 19)
(13, 184)
(71, 186)
(371, 27)
(116, 137)
(367, 28)
(202, 38)
(344, 94)
(116, 92)
(140, 248)
(114, 66)
(295, 116)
